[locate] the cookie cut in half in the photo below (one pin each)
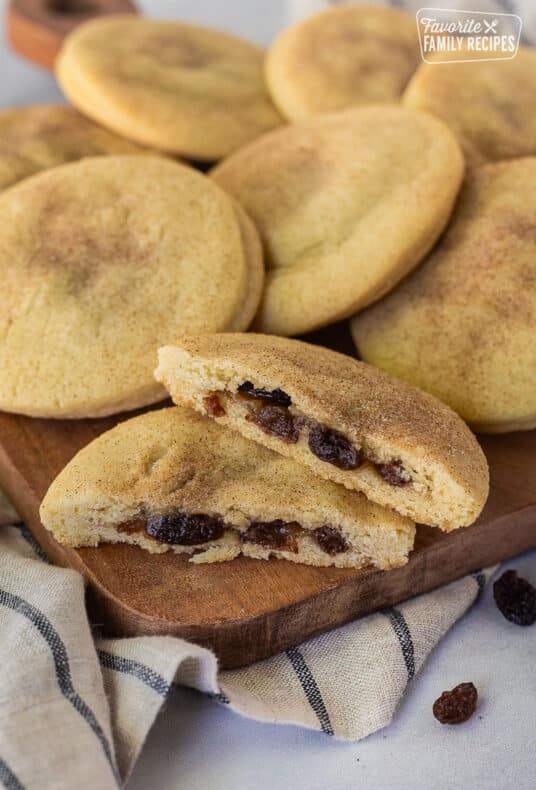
(171, 479)
(40, 137)
(346, 205)
(342, 57)
(463, 326)
(101, 262)
(346, 421)
(489, 105)
(180, 88)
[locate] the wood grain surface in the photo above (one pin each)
(36, 28)
(246, 610)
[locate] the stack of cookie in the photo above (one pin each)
(300, 453)
(335, 192)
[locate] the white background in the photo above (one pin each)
(197, 744)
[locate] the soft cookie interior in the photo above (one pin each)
(210, 538)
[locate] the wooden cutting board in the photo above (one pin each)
(246, 610)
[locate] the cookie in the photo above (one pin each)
(171, 479)
(252, 247)
(101, 262)
(180, 88)
(346, 205)
(39, 137)
(487, 104)
(463, 325)
(342, 57)
(346, 421)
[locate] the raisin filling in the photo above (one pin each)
(394, 473)
(213, 406)
(269, 410)
(276, 421)
(271, 535)
(333, 447)
(184, 529)
(330, 540)
(272, 416)
(278, 535)
(276, 396)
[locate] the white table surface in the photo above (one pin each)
(197, 744)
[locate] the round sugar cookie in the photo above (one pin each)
(101, 261)
(180, 88)
(463, 326)
(342, 57)
(39, 137)
(346, 205)
(489, 105)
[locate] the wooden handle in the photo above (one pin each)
(36, 28)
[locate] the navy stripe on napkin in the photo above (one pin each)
(8, 778)
(310, 687)
(136, 669)
(403, 634)
(480, 579)
(61, 665)
(31, 541)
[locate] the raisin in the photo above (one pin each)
(276, 396)
(394, 473)
(184, 529)
(277, 421)
(515, 598)
(271, 535)
(138, 525)
(456, 706)
(333, 447)
(330, 540)
(213, 406)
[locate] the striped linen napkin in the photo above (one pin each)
(75, 709)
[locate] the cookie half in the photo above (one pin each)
(101, 262)
(180, 88)
(342, 57)
(463, 326)
(489, 105)
(40, 137)
(171, 479)
(346, 205)
(346, 421)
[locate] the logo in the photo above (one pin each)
(450, 36)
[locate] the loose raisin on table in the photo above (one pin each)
(271, 535)
(184, 529)
(277, 396)
(331, 446)
(515, 598)
(394, 473)
(277, 421)
(330, 540)
(456, 706)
